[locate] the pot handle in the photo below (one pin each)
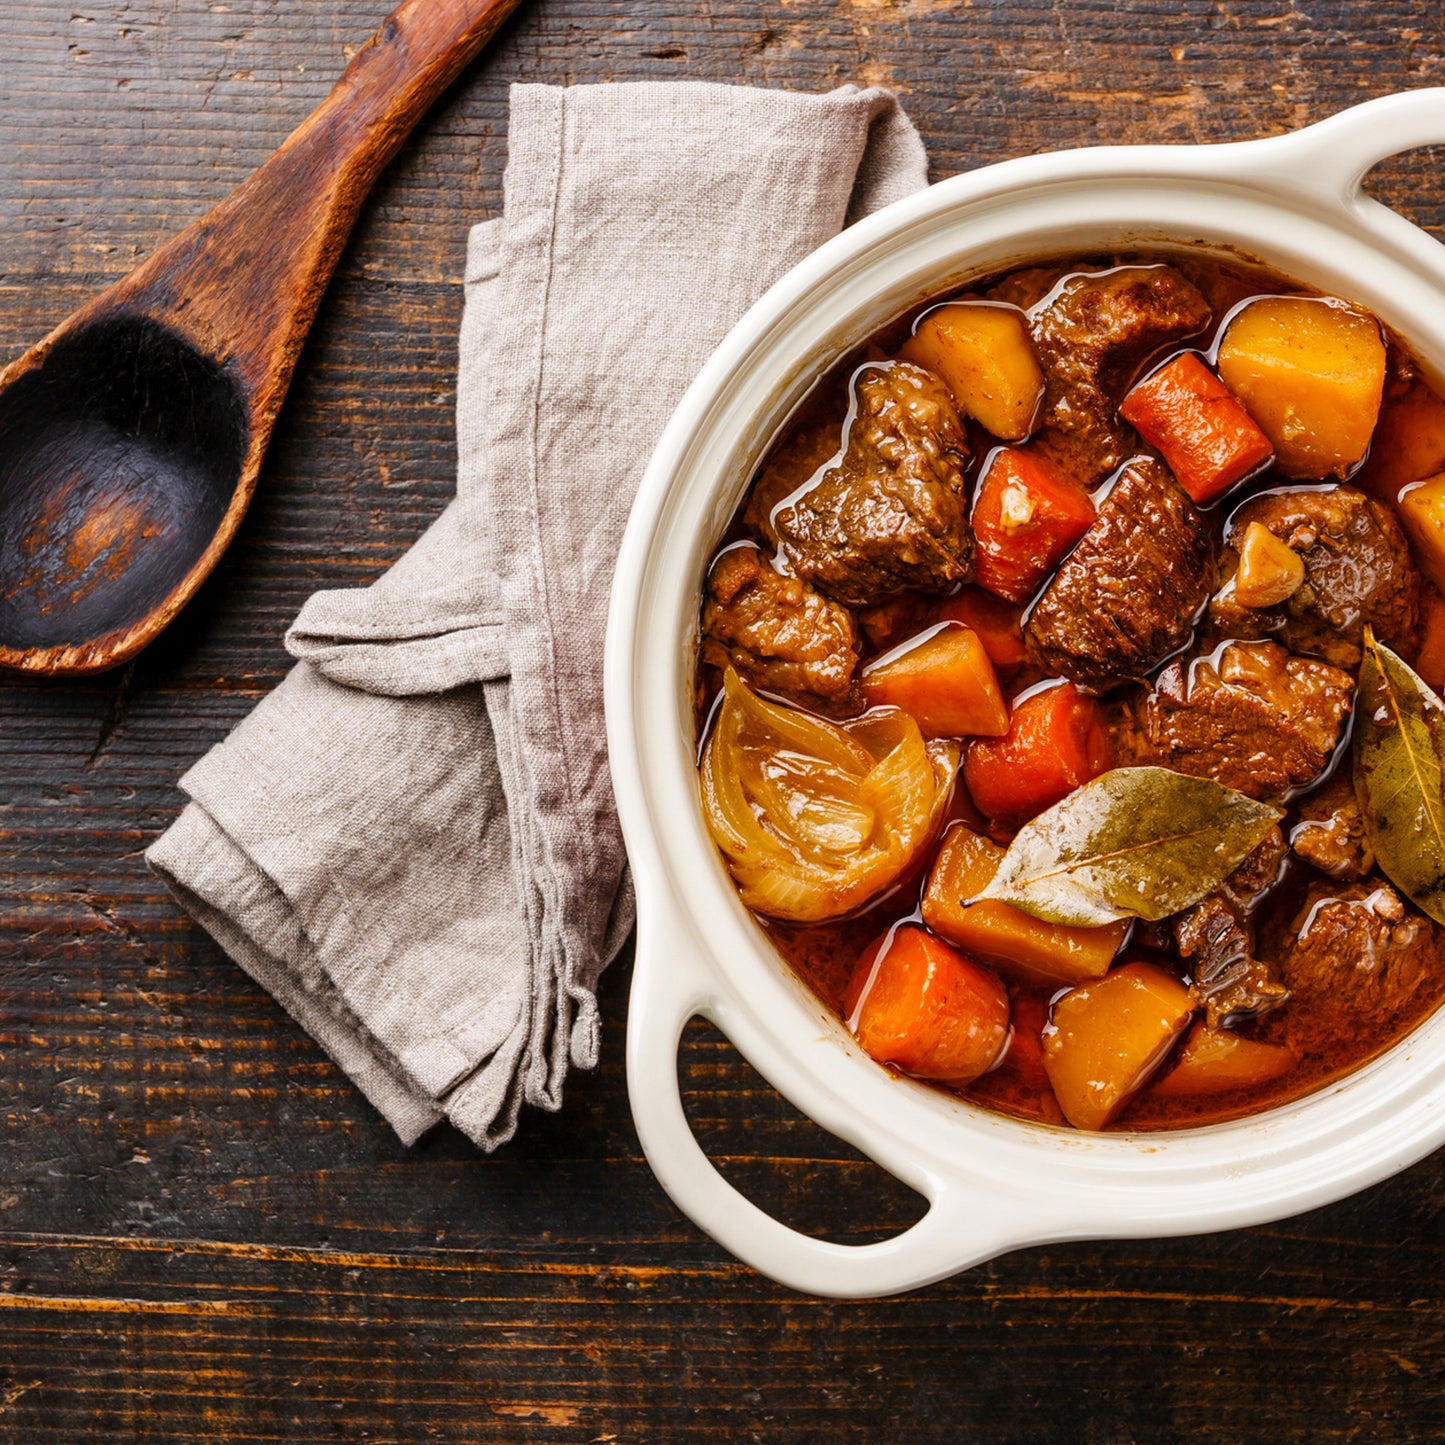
(1331, 158)
(962, 1227)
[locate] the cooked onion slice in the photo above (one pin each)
(816, 818)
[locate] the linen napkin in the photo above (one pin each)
(412, 843)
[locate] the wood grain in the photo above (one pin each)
(205, 1234)
(132, 436)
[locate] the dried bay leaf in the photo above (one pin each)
(1134, 843)
(1400, 775)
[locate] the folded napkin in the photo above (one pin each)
(412, 843)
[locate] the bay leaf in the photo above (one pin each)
(1400, 775)
(1134, 843)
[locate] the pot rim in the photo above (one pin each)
(992, 1183)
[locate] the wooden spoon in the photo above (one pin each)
(131, 437)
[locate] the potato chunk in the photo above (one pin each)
(1108, 1037)
(985, 355)
(1421, 510)
(1214, 1061)
(1028, 949)
(1311, 372)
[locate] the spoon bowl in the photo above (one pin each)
(131, 437)
(118, 460)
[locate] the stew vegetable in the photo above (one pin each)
(1068, 691)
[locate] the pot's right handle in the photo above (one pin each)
(964, 1225)
(1331, 158)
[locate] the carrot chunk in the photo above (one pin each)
(1213, 1061)
(1056, 742)
(1107, 1038)
(1028, 1017)
(1020, 946)
(944, 680)
(1198, 425)
(919, 1005)
(1026, 518)
(998, 622)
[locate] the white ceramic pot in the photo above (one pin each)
(993, 1184)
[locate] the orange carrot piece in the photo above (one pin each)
(1056, 742)
(1019, 945)
(1107, 1038)
(1199, 426)
(919, 1005)
(998, 622)
(944, 680)
(1026, 518)
(1213, 1061)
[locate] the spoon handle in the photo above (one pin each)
(243, 283)
(421, 47)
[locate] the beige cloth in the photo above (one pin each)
(412, 842)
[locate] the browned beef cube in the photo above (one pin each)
(1331, 831)
(1357, 956)
(1250, 716)
(1216, 937)
(1093, 331)
(1128, 594)
(888, 511)
(1358, 570)
(779, 634)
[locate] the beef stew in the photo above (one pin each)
(1148, 515)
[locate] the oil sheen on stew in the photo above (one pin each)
(1104, 555)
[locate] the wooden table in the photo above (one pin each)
(205, 1232)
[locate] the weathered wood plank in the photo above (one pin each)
(205, 1234)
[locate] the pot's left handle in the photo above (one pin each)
(962, 1227)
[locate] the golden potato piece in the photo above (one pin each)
(985, 355)
(1020, 946)
(1311, 372)
(1109, 1036)
(1421, 510)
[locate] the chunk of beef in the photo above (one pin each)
(1250, 716)
(779, 633)
(1358, 570)
(1330, 833)
(1216, 937)
(1093, 332)
(885, 513)
(1355, 955)
(1128, 594)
